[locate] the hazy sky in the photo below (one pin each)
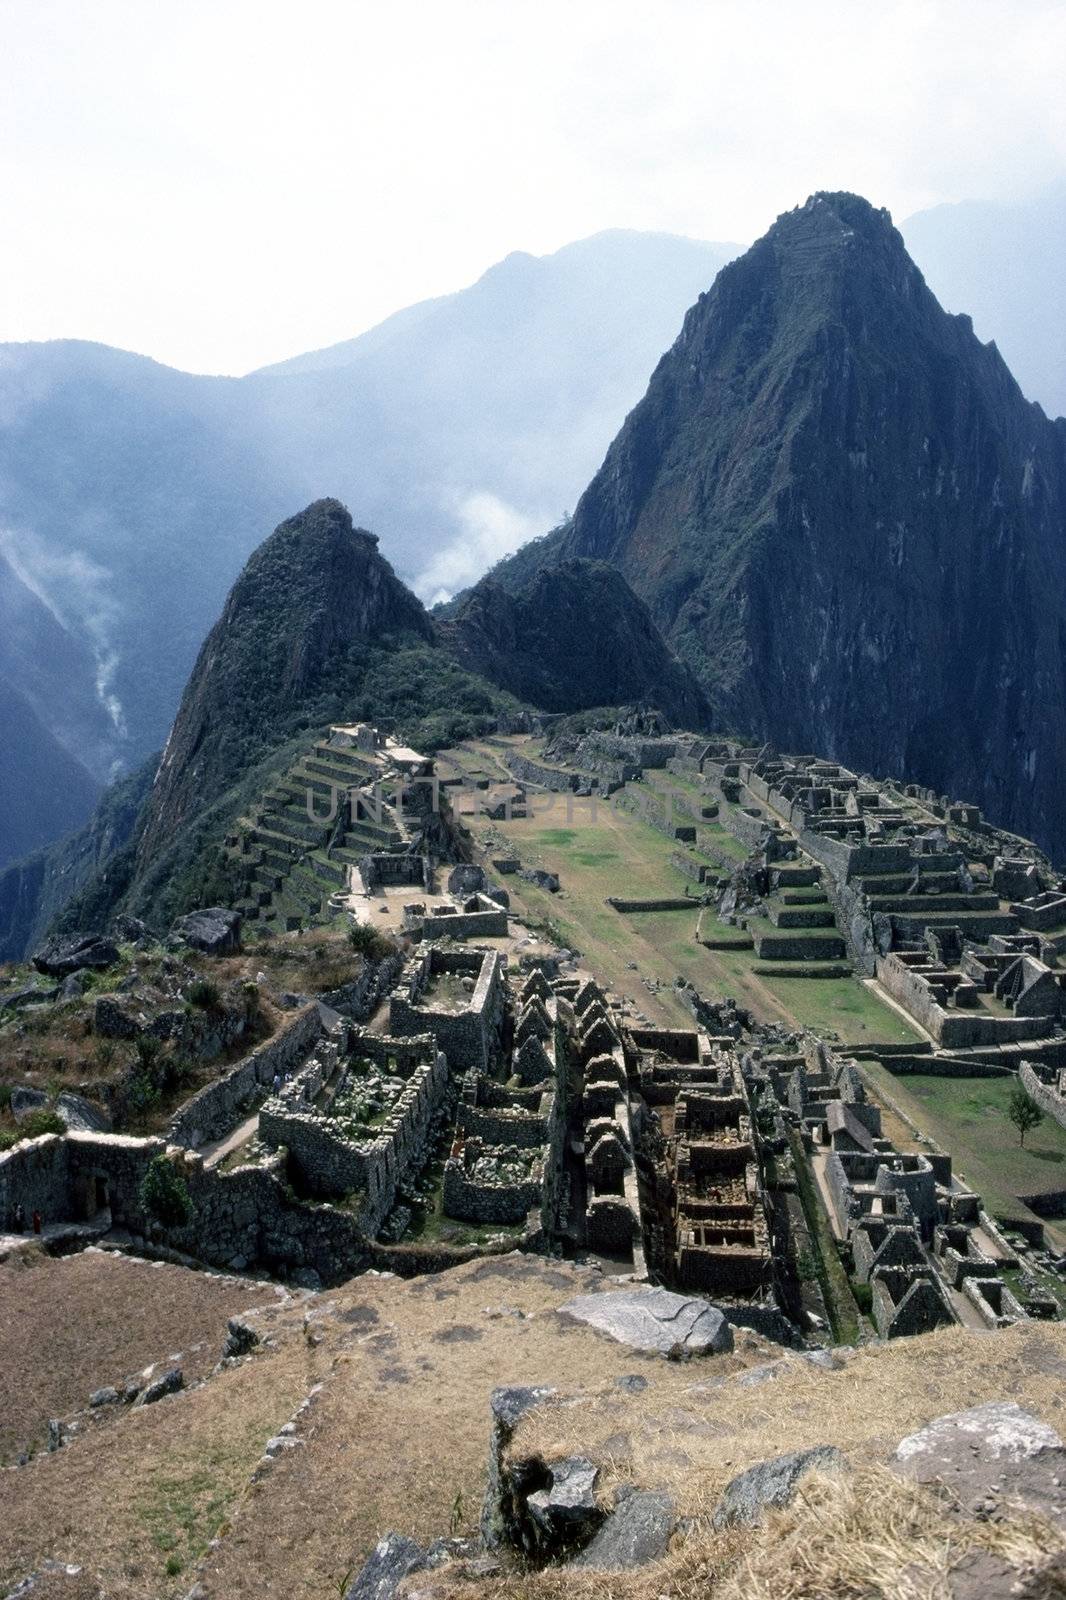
(222, 183)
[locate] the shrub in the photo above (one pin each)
(369, 942)
(9, 1137)
(39, 1122)
(5, 1096)
(164, 1194)
(205, 995)
(148, 1048)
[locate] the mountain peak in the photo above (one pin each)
(824, 496)
(311, 597)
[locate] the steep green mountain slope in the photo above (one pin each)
(318, 628)
(846, 518)
(573, 637)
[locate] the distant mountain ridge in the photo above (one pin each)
(133, 493)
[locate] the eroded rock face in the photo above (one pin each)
(771, 1483)
(655, 1320)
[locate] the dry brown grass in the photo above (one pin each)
(692, 1438)
(76, 1324)
(863, 1536)
(397, 1439)
(158, 1482)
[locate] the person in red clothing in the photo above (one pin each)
(36, 1222)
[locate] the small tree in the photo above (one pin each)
(1023, 1112)
(164, 1194)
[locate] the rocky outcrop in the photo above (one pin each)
(215, 930)
(770, 1484)
(572, 638)
(60, 957)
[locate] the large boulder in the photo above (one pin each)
(637, 1530)
(466, 878)
(81, 1115)
(26, 1100)
(58, 957)
(655, 1320)
(991, 1453)
(216, 931)
(771, 1483)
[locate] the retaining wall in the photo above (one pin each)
(214, 1110)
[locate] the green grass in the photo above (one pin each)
(844, 1006)
(968, 1116)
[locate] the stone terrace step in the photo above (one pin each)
(802, 916)
(794, 875)
(920, 904)
(798, 945)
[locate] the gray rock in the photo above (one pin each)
(81, 1115)
(130, 930)
(990, 1453)
(655, 1320)
(113, 1020)
(390, 1561)
(29, 994)
(466, 878)
(108, 1396)
(25, 1101)
(637, 1530)
(567, 1508)
(771, 1483)
(241, 1337)
(58, 957)
(159, 1388)
(73, 986)
(216, 930)
(542, 879)
(508, 1406)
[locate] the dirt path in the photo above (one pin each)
(219, 1149)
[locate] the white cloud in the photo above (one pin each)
(491, 529)
(78, 592)
(221, 183)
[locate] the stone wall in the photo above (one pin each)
(329, 1163)
(465, 924)
(1043, 1093)
(470, 1199)
(953, 1030)
(669, 903)
(214, 1110)
(469, 1035)
(503, 1126)
(361, 998)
